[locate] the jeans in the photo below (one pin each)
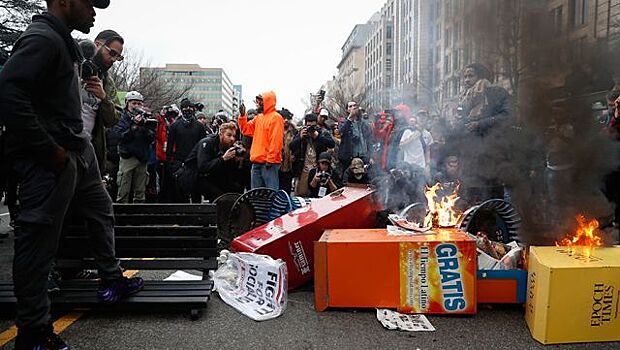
(44, 198)
(265, 175)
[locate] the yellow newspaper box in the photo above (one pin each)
(573, 294)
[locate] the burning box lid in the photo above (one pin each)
(573, 294)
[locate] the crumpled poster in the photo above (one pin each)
(393, 320)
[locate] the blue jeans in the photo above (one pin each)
(265, 175)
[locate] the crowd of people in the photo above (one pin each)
(68, 141)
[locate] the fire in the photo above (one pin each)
(585, 236)
(441, 209)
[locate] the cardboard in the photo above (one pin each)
(431, 273)
(573, 297)
(291, 236)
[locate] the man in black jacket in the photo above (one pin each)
(311, 141)
(355, 138)
(183, 135)
(55, 164)
(217, 160)
(482, 135)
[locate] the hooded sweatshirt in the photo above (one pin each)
(40, 92)
(267, 132)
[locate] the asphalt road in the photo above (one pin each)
(221, 327)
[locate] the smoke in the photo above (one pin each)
(555, 160)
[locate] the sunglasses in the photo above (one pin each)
(114, 54)
(352, 106)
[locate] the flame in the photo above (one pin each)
(442, 211)
(585, 236)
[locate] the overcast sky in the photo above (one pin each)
(291, 47)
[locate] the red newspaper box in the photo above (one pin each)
(291, 236)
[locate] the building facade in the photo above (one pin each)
(209, 86)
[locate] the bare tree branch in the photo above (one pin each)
(135, 74)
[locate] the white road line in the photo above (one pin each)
(5, 214)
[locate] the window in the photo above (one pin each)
(455, 61)
(556, 17)
(388, 32)
(579, 12)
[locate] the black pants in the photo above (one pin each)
(286, 181)
(44, 198)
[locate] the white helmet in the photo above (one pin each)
(134, 96)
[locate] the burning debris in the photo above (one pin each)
(442, 210)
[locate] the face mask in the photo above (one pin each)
(188, 113)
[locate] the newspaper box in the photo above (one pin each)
(573, 294)
(290, 236)
(433, 273)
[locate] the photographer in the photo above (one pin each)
(133, 100)
(218, 163)
(136, 137)
(355, 138)
(305, 147)
(323, 179)
(101, 107)
(356, 173)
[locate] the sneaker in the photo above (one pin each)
(114, 290)
(52, 283)
(46, 341)
(86, 275)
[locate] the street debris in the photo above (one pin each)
(182, 276)
(393, 320)
(255, 285)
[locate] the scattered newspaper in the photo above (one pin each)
(182, 276)
(397, 231)
(393, 320)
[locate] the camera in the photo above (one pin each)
(311, 129)
(239, 149)
(397, 173)
(324, 176)
(89, 69)
(199, 106)
(147, 119)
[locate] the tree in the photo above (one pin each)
(134, 74)
(339, 93)
(15, 15)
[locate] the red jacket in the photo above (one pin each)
(161, 138)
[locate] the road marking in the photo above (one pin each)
(59, 325)
(5, 214)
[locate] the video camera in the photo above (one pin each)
(147, 119)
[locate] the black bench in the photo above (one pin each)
(147, 237)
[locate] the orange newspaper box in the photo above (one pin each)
(433, 273)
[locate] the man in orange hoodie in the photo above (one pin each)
(267, 132)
